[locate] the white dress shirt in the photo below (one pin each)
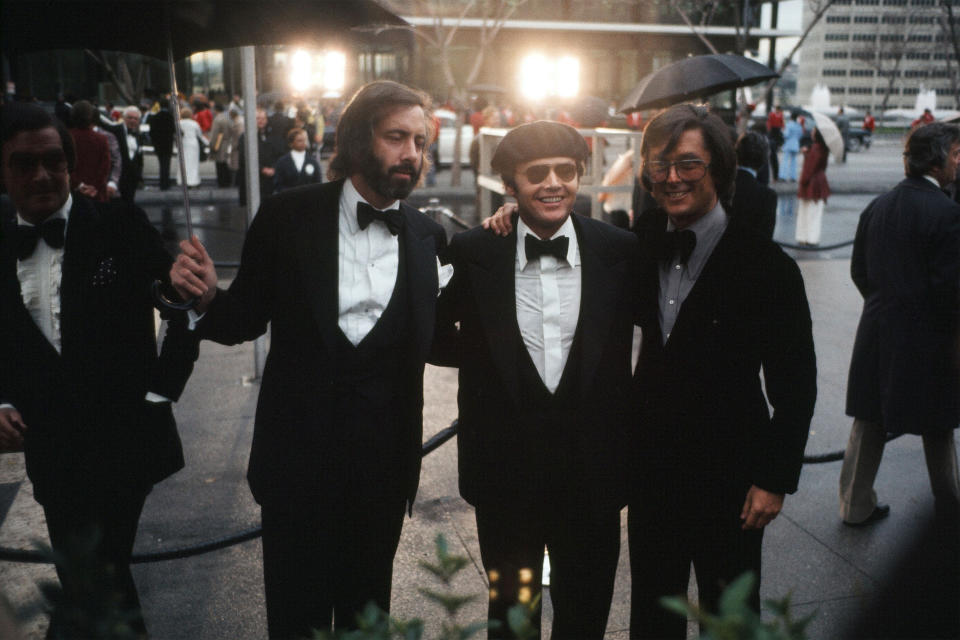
(548, 303)
(132, 145)
(369, 259)
(298, 159)
(40, 277)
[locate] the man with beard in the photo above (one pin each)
(348, 276)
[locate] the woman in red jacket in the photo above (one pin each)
(812, 191)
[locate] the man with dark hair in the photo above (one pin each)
(720, 303)
(82, 389)
(546, 318)
(904, 374)
(755, 204)
(347, 276)
(269, 150)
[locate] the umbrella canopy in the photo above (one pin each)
(831, 134)
(695, 77)
(193, 25)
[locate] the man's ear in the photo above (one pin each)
(510, 191)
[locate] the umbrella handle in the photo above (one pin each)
(172, 304)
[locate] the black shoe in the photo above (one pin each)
(879, 512)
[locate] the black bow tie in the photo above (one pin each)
(391, 217)
(536, 247)
(51, 231)
(678, 243)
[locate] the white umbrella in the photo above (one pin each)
(831, 134)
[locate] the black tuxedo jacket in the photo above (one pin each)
(288, 277)
(88, 422)
(131, 170)
(286, 175)
(754, 203)
(703, 412)
(501, 457)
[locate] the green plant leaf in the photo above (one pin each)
(737, 594)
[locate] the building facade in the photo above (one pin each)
(879, 54)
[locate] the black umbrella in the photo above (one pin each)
(695, 77)
(173, 29)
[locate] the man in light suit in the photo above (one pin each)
(347, 275)
(720, 303)
(546, 319)
(131, 153)
(82, 389)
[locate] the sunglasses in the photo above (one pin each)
(537, 173)
(687, 170)
(54, 161)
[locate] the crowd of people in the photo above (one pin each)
(536, 308)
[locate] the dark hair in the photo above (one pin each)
(218, 107)
(928, 146)
(540, 139)
(26, 116)
(292, 134)
(365, 109)
(666, 128)
(82, 115)
(752, 150)
(818, 137)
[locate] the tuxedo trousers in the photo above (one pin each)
(323, 562)
(676, 520)
(584, 546)
(104, 520)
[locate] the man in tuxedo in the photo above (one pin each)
(546, 319)
(754, 203)
(162, 129)
(82, 390)
(720, 303)
(131, 153)
(269, 150)
(347, 274)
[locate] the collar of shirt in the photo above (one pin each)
(298, 158)
(349, 197)
(708, 230)
(62, 212)
(752, 172)
(566, 229)
(933, 180)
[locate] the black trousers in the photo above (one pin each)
(322, 563)
(109, 516)
(675, 521)
(584, 545)
(164, 161)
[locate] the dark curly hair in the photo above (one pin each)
(667, 127)
(753, 150)
(370, 104)
(928, 146)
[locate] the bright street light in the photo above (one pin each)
(541, 77)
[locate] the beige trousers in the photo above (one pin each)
(862, 459)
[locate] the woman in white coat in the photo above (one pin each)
(192, 139)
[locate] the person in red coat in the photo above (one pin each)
(93, 154)
(812, 191)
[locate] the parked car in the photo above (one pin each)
(448, 131)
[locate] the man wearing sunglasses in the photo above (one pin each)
(546, 318)
(82, 390)
(720, 303)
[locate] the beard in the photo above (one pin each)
(396, 182)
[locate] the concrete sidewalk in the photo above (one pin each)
(829, 569)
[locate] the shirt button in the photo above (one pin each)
(672, 301)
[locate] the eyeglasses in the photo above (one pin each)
(54, 161)
(537, 173)
(687, 170)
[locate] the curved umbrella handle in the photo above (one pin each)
(172, 304)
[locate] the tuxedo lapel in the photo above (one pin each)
(422, 284)
(318, 252)
(602, 279)
(492, 275)
(83, 245)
